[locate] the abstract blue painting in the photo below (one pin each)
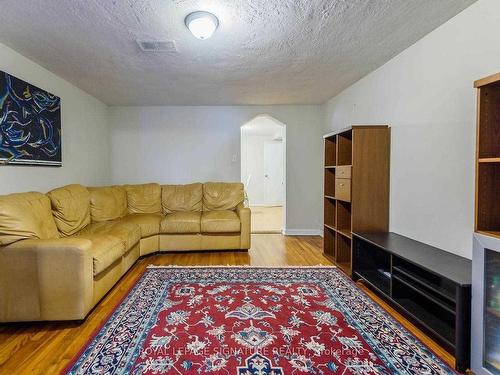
(30, 124)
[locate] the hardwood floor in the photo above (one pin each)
(46, 348)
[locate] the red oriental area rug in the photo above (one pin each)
(252, 321)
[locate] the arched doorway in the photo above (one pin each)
(263, 172)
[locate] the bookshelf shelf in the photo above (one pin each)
(487, 216)
(349, 188)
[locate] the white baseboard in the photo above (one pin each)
(302, 232)
(264, 205)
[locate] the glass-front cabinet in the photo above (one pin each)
(486, 306)
(492, 310)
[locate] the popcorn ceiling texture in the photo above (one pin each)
(265, 51)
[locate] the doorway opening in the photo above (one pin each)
(263, 172)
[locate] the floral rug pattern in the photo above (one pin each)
(252, 321)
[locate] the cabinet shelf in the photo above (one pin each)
(443, 292)
(344, 232)
(432, 287)
(487, 210)
(489, 160)
(425, 294)
(330, 227)
(375, 279)
(355, 151)
(430, 320)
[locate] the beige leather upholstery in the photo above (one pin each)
(70, 208)
(24, 216)
(149, 245)
(180, 242)
(44, 277)
(129, 234)
(107, 203)
(176, 198)
(130, 257)
(144, 199)
(148, 223)
(105, 250)
(181, 222)
(221, 241)
(222, 196)
(220, 222)
(46, 280)
(244, 214)
(206, 242)
(106, 280)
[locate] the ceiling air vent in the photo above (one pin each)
(157, 45)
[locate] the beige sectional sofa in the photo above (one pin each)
(61, 252)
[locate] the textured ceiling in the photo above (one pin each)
(265, 51)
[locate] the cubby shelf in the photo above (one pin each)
(349, 152)
(429, 286)
(489, 160)
(487, 216)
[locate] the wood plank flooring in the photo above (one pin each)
(46, 348)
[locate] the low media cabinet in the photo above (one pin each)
(430, 286)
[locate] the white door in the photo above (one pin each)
(273, 173)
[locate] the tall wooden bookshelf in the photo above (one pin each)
(356, 188)
(487, 217)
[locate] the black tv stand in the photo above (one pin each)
(429, 286)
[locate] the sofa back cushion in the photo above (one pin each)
(107, 203)
(222, 196)
(143, 199)
(176, 198)
(71, 208)
(26, 215)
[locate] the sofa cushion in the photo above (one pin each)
(144, 199)
(175, 198)
(181, 223)
(107, 203)
(148, 223)
(219, 196)
(26, 215)
(105, 251)
(128, 233)
(220, 222)
(71, 208)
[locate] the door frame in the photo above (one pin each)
(285, 153)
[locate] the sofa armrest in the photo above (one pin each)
(46, 280)
(244, 213)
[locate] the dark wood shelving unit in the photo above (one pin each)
(487, 217)
(430, 286)
(356, 188)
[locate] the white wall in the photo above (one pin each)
(426, 95)
(85, 135)
(183, 144)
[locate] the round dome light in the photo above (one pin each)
(202, 24)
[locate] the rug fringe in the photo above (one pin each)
(240, 266)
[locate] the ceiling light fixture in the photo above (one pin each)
(201, 24)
